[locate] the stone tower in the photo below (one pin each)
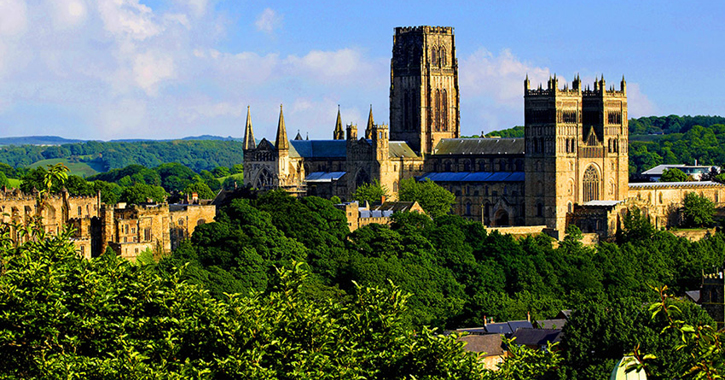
(424, 95)
(576, 148)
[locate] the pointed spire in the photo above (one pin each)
(338, 134)
(282, 142)
(299, 136)
(308, 135)
(371, 122)
(249, 142)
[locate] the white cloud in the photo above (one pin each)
(268, 21)
(150, 68)
(499, 77)
(13, 17)
(128, 18)
(638, 103)
(344, 66)
(67, 14)
(197, 7)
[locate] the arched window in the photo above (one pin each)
(434, 55)
(468, 208)
(539, 209)
(591, 184)
(444, 57)
(570, 207)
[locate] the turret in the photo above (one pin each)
(338, 134)
(623, 86)
(282, 142)
(249, 142)
(380, 142)
(351, 131)
(527, 84)
(371, 123)
(299, 135)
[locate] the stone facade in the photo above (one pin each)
(358, 216)
(572, 166)
(127, 230)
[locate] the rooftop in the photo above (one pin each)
(464, 146)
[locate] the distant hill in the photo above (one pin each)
(37, 140)
(57, 140)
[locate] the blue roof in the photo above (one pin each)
(473, 176)
(324, 176)
(318, 148)
(500, 328)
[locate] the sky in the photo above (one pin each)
(162, 69)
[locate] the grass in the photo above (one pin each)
(14, 183)
(81, 169)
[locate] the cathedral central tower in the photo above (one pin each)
(424, 100)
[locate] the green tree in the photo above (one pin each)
(698, 210)
(202, 190)
(140, 193)
(635, 227)
(434, 199)
(4, 180)
(673, 175)
(370, 192)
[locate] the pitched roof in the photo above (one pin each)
(473, 176)
(324, 176)
(655, 185)
(394, 206)
(551, 323)
(500, 328)
(536, 337)
(400, 149)
(318, 148)
(491, 344)
(480, 146)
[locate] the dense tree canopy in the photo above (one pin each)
(698, 210)
(673, 175)
(433, 198)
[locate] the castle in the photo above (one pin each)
(127, 230)
(572, 166)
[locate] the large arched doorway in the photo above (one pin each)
(591, 184)
(501, 218)
(264, 180)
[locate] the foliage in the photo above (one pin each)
(701, 345)
(698, 210)
(370, 192)
(635, 227)
(673, 175)
(67, 317)
(434, 199)
(201, 188)
(524, 363)
(196, 154)
(140, 193)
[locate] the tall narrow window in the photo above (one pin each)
(438, 111)
(591, 184)
(444, 57)
(445, 110)
(406, 111)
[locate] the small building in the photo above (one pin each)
(358, 216)
(489, 347)
(536, 339)
(694, 171)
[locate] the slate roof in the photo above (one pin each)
(551, 323)
(491, 344)
(499, 328)
(399, 206)
(480, 146)
(473, 176)
(400, 149)
(318, 148)
(601, 203)
(655, 185)
(694, 295)
(687, 169)
(515, 325)
(537, 337)
(324, 176)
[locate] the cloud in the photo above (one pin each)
(128, 18)
(268, 21)
(638, 103)
(344, 66)
(67, 14)
(499, 77)
(150, 68)
(13, 17)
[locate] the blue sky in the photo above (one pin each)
(107, 69)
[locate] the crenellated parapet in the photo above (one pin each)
(424, 29)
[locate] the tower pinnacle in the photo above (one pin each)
(338, 134)
(249, 142)
(371, 122)
(282, 142)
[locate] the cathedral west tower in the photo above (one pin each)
(424, 99)
(576, 148)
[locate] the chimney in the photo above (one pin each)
(382, 199)
(528, 316)
(485, 321)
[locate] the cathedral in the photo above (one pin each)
(571, 167)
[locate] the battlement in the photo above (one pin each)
(598, 90)
(424, 29)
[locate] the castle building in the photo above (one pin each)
(571, 167)
(128, 230)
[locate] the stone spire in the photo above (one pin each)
(299, 136)
(282, 142)
(371, 122)
(249, 142)
(339, 134)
